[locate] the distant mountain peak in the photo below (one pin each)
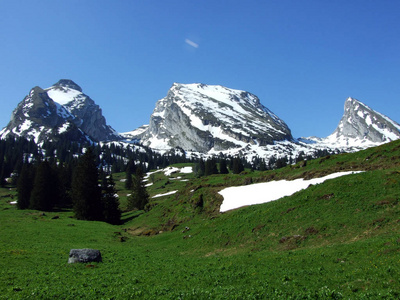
(361, 122)
(68, 83)
(203, 118)
(61, 109)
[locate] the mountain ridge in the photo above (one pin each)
(63, 108)
(200, 119)
(340, 140)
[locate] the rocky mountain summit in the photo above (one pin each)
(204, 118)
(88, 115)
(360, 122)
(39, 118)
(61, 111)
(211, 119)
(197, 119)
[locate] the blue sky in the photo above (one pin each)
(301, 58)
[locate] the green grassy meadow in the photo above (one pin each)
(336, 240)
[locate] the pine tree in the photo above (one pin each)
(223, 167)
(45, 192)
(200, 168)
(86, 194)
(210, 167)
(139, 196)
(111, 212)
(281, 162)
(2, 175)
(263, 165)
(128, 181)
(25, 186)
(2, 165)
(65, 174)
(237, 166)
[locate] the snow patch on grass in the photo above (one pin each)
(238, 196)
(166, 194)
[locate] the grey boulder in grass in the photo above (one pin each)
(84, 256)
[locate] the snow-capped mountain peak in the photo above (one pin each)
(65, 91)
(360, 122)
(199, 119)
(205, 118)
(61, 109)
(68, 84)
(88, 114)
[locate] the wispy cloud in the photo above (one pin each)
(191, 43)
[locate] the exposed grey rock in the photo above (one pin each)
(38, 117)
(198, 117)
(68, 83)
(361, 122)
(84, 256)
(61, 111)
(88, 115)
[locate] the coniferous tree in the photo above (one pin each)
(237, 166)
(300, 157)
(64, 172)
(128, 181)
(45, 192)
(223, 167)
(200, 168)
(2, 164)
(25, 186)
(263, 165)
(139, 196)
(210, 167)
(86, 194)
(111, 211)
(2, 177)
(281, 162)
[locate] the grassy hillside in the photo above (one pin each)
(339, 239)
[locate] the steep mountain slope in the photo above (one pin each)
(204, 118)
(39, 118)
(45, 115)
(198, 119)
(363, 123)
(360, 127)
(88, 115)
(209, 120)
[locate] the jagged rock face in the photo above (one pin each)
(88, 115)
(61, 111)
(38, 117)
(363, 123)
(200, 117)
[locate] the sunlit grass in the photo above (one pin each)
(335, 240)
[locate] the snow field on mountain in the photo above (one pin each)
(223, 106)
(391, 136)
(238, 196)
(64, 128)
(26, 125)
(63, 96)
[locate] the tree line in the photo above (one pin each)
(91, 193)
(57, 175)
(219, 165)
(87, 189)
(113, 157)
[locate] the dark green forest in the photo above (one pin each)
(62, 175)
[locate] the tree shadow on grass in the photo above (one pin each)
(129, 216)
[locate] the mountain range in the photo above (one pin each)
(61, 110)
(197, 118)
